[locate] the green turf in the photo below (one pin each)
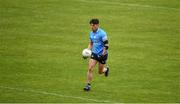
(41, 43)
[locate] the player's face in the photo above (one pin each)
(94, 27)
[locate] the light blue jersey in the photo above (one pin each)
(98, 38)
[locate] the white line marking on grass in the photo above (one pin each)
(132, 5)
(49, 93)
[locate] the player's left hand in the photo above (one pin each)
(103, 53)
(102, 57)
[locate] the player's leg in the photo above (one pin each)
(103, 69)
(91, 66)
(102, 66)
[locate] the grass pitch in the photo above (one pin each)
(41, 43)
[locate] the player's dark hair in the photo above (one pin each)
(94, 21)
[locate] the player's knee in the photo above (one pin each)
(90, 69)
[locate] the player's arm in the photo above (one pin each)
(106, 46)
(90, 45)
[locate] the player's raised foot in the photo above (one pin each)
(107, 72)
(87, 87)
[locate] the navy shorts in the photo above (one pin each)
(100, 58)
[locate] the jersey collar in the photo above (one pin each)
(97, 30)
